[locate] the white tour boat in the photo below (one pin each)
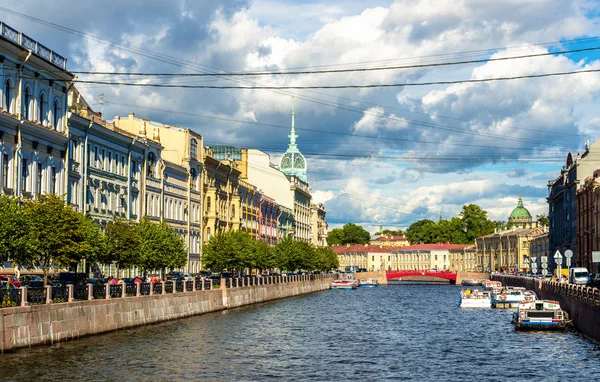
(368, 283)
(511, 297)
(343, 284)
(539, 315)
(475, 298)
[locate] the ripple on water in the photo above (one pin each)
(404, 332)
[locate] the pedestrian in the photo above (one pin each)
(111, 281)
(120, 281)
(154, 279)
(137, 280)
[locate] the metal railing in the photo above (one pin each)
(29, 43)
(63, 294)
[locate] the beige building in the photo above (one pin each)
(318, 225)
(423, 256)
(391, 241)
(369, 257)
(172, 179)
(539, 246)
(463, 259)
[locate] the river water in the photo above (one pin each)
(399, 332)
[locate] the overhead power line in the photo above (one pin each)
(380, 68)
(292, 87)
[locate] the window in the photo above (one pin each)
(53, 180)
(194, 149)
(72, 149)
(42, 109)
(208, 203)
(110, 163)
(26, 103)
(24, 173)
(7, 96)
(151, 165)
(5, 170)
(103, 160)
(96, 157)
(208, 233)
(39, 178)
(122, 164)
(233, 211)
(56, 115)
(133, 169)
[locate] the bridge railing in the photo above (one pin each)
(584, 293)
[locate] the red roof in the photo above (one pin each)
(432, 247)
(340, 249)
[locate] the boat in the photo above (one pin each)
(368, 283)
(475, 298)
(470, 282)
(343, 284)
(511, 297)
(539, 315)
(493, 286)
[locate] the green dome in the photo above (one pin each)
(520, 213)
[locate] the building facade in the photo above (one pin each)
(33, 109)
(318, 225)
(538, 247)
(587, 221)
(391, 240)
(463, 259)
(505, 251)
(249, 204)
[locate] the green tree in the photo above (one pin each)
(161, 247)
(56, 234)
(355, 234)
(263, 255)
(543, 220)
(335, 237)
(475, 222)
(288, 255)
(123, 244)
(398, 232)
(95, 238)
(14, 228)
(327, 259)
(422, 231)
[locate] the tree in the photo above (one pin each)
(398, 232)
(13, 231)
(335, 237)
(475, 222)
(56, 234)
(263, 255)
(95, 238)
(355, 234)
(543, 220)
(123, 244)
(422, 231)
(160, 246)
(288, 256)
(220, 252)
(327, 259)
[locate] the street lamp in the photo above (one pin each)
(558, 259)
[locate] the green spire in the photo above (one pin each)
(293, 135)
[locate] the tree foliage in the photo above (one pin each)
(543, 220)
(397, 232)
(14, 228)
(123, 241)
(350, 233)
(238, 251)
(160, 246)
(471, 223)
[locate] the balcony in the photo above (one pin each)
(29, 43)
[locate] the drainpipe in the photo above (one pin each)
(85, 168)
(162, 189)
(18, 110)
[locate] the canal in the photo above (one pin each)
(404, 332)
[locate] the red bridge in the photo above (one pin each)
(399, 275)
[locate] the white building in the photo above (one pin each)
(33, 106)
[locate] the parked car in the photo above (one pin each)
(13, 280)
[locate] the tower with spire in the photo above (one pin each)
(293, 162)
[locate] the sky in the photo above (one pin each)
(378, 156)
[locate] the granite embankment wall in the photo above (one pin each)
(30, 325)
(460, 276)
(379, 276)
(582, 303)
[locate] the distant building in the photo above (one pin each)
(588, 215)
(391, 240)
(463, 259)
(520, 217)
(423, 256)
(506, 250)
(369, 257)
(538, 247)
(562, 201)
(318, 225)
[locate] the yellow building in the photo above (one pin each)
(463, 259)
(318, 225)
(369, 257)
(505, 251)
(172, 187)
(391, 241)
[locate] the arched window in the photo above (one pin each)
(208, 203)
(194, 149)
(56, 115)
(151, 165)
(27, 103)
(207, 233)
(42, 109)
(7, 96)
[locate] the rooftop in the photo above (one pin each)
(35, 47)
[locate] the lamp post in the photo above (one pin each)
(558, 259)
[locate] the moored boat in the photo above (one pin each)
(470, 282)
(475, 298)
(539, 315)
(343, 284)
(511, 297)
(368, 283)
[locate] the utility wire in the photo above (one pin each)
(278, 73)
(287, 87)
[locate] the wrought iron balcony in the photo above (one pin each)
(29, 43)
